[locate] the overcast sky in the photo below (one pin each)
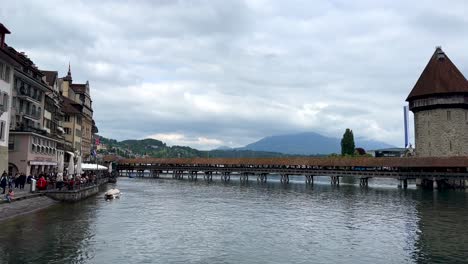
(212, 73)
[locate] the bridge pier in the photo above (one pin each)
(193, 175)
(284, 178)
(309, 179)
(244, 177)
(403, 183)
(364, 182)
(226, 176)
(208, 176)
(335, 180)
(262, 177)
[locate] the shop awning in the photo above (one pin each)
(46, 163)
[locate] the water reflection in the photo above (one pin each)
(171, 221)
(443, 232)
(60, 234)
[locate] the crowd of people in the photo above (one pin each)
(45, 181)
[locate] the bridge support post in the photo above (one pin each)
(405, 183)
(284, 178)
(335, 180)
(435, 184)
(193, 175)
(262, 178)
(244, 177)
(208, 176)
(226, 176)
(309, 179)
(364, 182)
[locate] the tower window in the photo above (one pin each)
(449, 115)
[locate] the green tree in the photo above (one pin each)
(347, 143)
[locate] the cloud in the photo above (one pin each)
(231, 72)
(175, 139)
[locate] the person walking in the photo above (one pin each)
(16, 180)
(3, 181)
(10, 181)
(22, 180)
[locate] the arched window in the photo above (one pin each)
(33, 111)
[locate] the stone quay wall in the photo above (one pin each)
(76, 195)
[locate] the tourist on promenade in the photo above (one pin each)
(10, 195)
(28, 180)
(22, 180)
(16, 180)
(10, 181)
(41, 183)
(3, 182)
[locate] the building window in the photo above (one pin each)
(66, 118)
(2, 130)
(11, 143)
(67, 130)
(449, 115)
(33, 148)
(2, 68)
(7, 74)
(450, 145)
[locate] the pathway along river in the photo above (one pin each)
(171, 221)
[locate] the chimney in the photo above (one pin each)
(3, 32)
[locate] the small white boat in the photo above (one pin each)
(112, 194)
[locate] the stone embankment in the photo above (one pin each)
(26, 202)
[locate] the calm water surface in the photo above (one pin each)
(171, 221)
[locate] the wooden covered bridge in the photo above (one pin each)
(428, 172)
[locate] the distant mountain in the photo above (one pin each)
(308, 143)
(155, 148)
(223, 148)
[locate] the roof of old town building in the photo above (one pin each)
(79, 88)
(70, 107)
(3, 29)
(440, 77)
(51, 76)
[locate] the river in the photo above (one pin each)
(173, 221)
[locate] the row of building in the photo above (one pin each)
(45, 120)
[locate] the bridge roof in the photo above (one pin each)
(413, 162)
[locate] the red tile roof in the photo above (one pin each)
(51, 76)
(439, 77)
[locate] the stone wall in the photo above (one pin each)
(3, 159)
(75, 195)
(441, 132)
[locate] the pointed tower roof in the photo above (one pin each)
(439, 77)
(68, 77)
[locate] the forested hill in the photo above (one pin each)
(158, 149)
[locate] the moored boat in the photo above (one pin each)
(112, 194)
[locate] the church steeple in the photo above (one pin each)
(68, 77)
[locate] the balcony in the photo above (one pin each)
(31, 115)
(29, 96)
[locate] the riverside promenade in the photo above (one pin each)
(25, 202)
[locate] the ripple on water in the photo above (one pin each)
(170, 221)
